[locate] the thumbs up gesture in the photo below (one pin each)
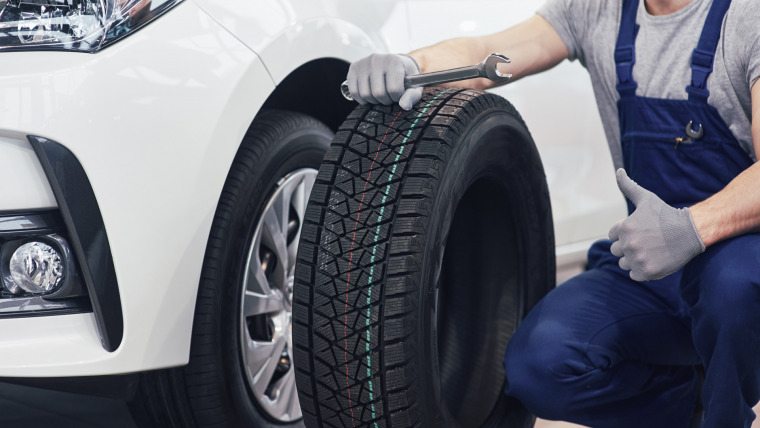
(657, 239)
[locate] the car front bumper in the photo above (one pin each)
(155, 121)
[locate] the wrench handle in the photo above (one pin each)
(445, 76)
(428, 79)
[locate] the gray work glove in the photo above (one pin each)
(657, 239)
(379, 79)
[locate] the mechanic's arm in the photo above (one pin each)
(532, 46)
(735, 209)
(657, 239)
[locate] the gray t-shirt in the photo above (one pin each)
(664, 46)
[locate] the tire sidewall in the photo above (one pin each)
(476, 156)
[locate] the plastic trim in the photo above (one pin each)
(87, 235)
(19, 224)
(20, 307)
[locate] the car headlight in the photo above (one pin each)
(77, 25)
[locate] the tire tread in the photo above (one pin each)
(338, 238)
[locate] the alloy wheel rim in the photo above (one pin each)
(266, 339)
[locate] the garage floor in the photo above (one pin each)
(37, 408)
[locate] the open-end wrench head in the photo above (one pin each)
(491, 69)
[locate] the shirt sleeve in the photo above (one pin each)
(745, 19)
(753, 57)
(564, 17)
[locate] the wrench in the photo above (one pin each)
(487, 68)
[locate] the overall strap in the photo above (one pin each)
(625, 53)
(703, 57)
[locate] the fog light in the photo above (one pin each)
(36, 267)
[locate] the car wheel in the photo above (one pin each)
(428, 237)
(240, 371)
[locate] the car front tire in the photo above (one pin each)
(240, 371)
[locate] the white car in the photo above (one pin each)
(156, 157)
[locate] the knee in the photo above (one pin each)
(723, 287)
(541, 367)
(731, 308)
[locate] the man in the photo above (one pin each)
(677, 287)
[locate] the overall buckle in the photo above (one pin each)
(624, 59)
(701, 66)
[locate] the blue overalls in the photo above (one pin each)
(605, 351)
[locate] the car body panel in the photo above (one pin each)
(287, 34)
(24, 184)
(155, 143)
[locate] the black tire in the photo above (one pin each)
(213, 389)
(428, 237)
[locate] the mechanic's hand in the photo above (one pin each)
(379, 79)
(657, 239)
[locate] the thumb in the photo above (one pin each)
(410, 98)
(630, 189)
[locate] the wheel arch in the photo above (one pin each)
(319, 51)
(313, 89)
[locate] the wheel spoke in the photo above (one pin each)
(256, 280)
(301, 197)
(257, 304)
(281, 206)
(294, 406)
(275, 237)
(270, 357)
(285, 395)
(257, 355)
